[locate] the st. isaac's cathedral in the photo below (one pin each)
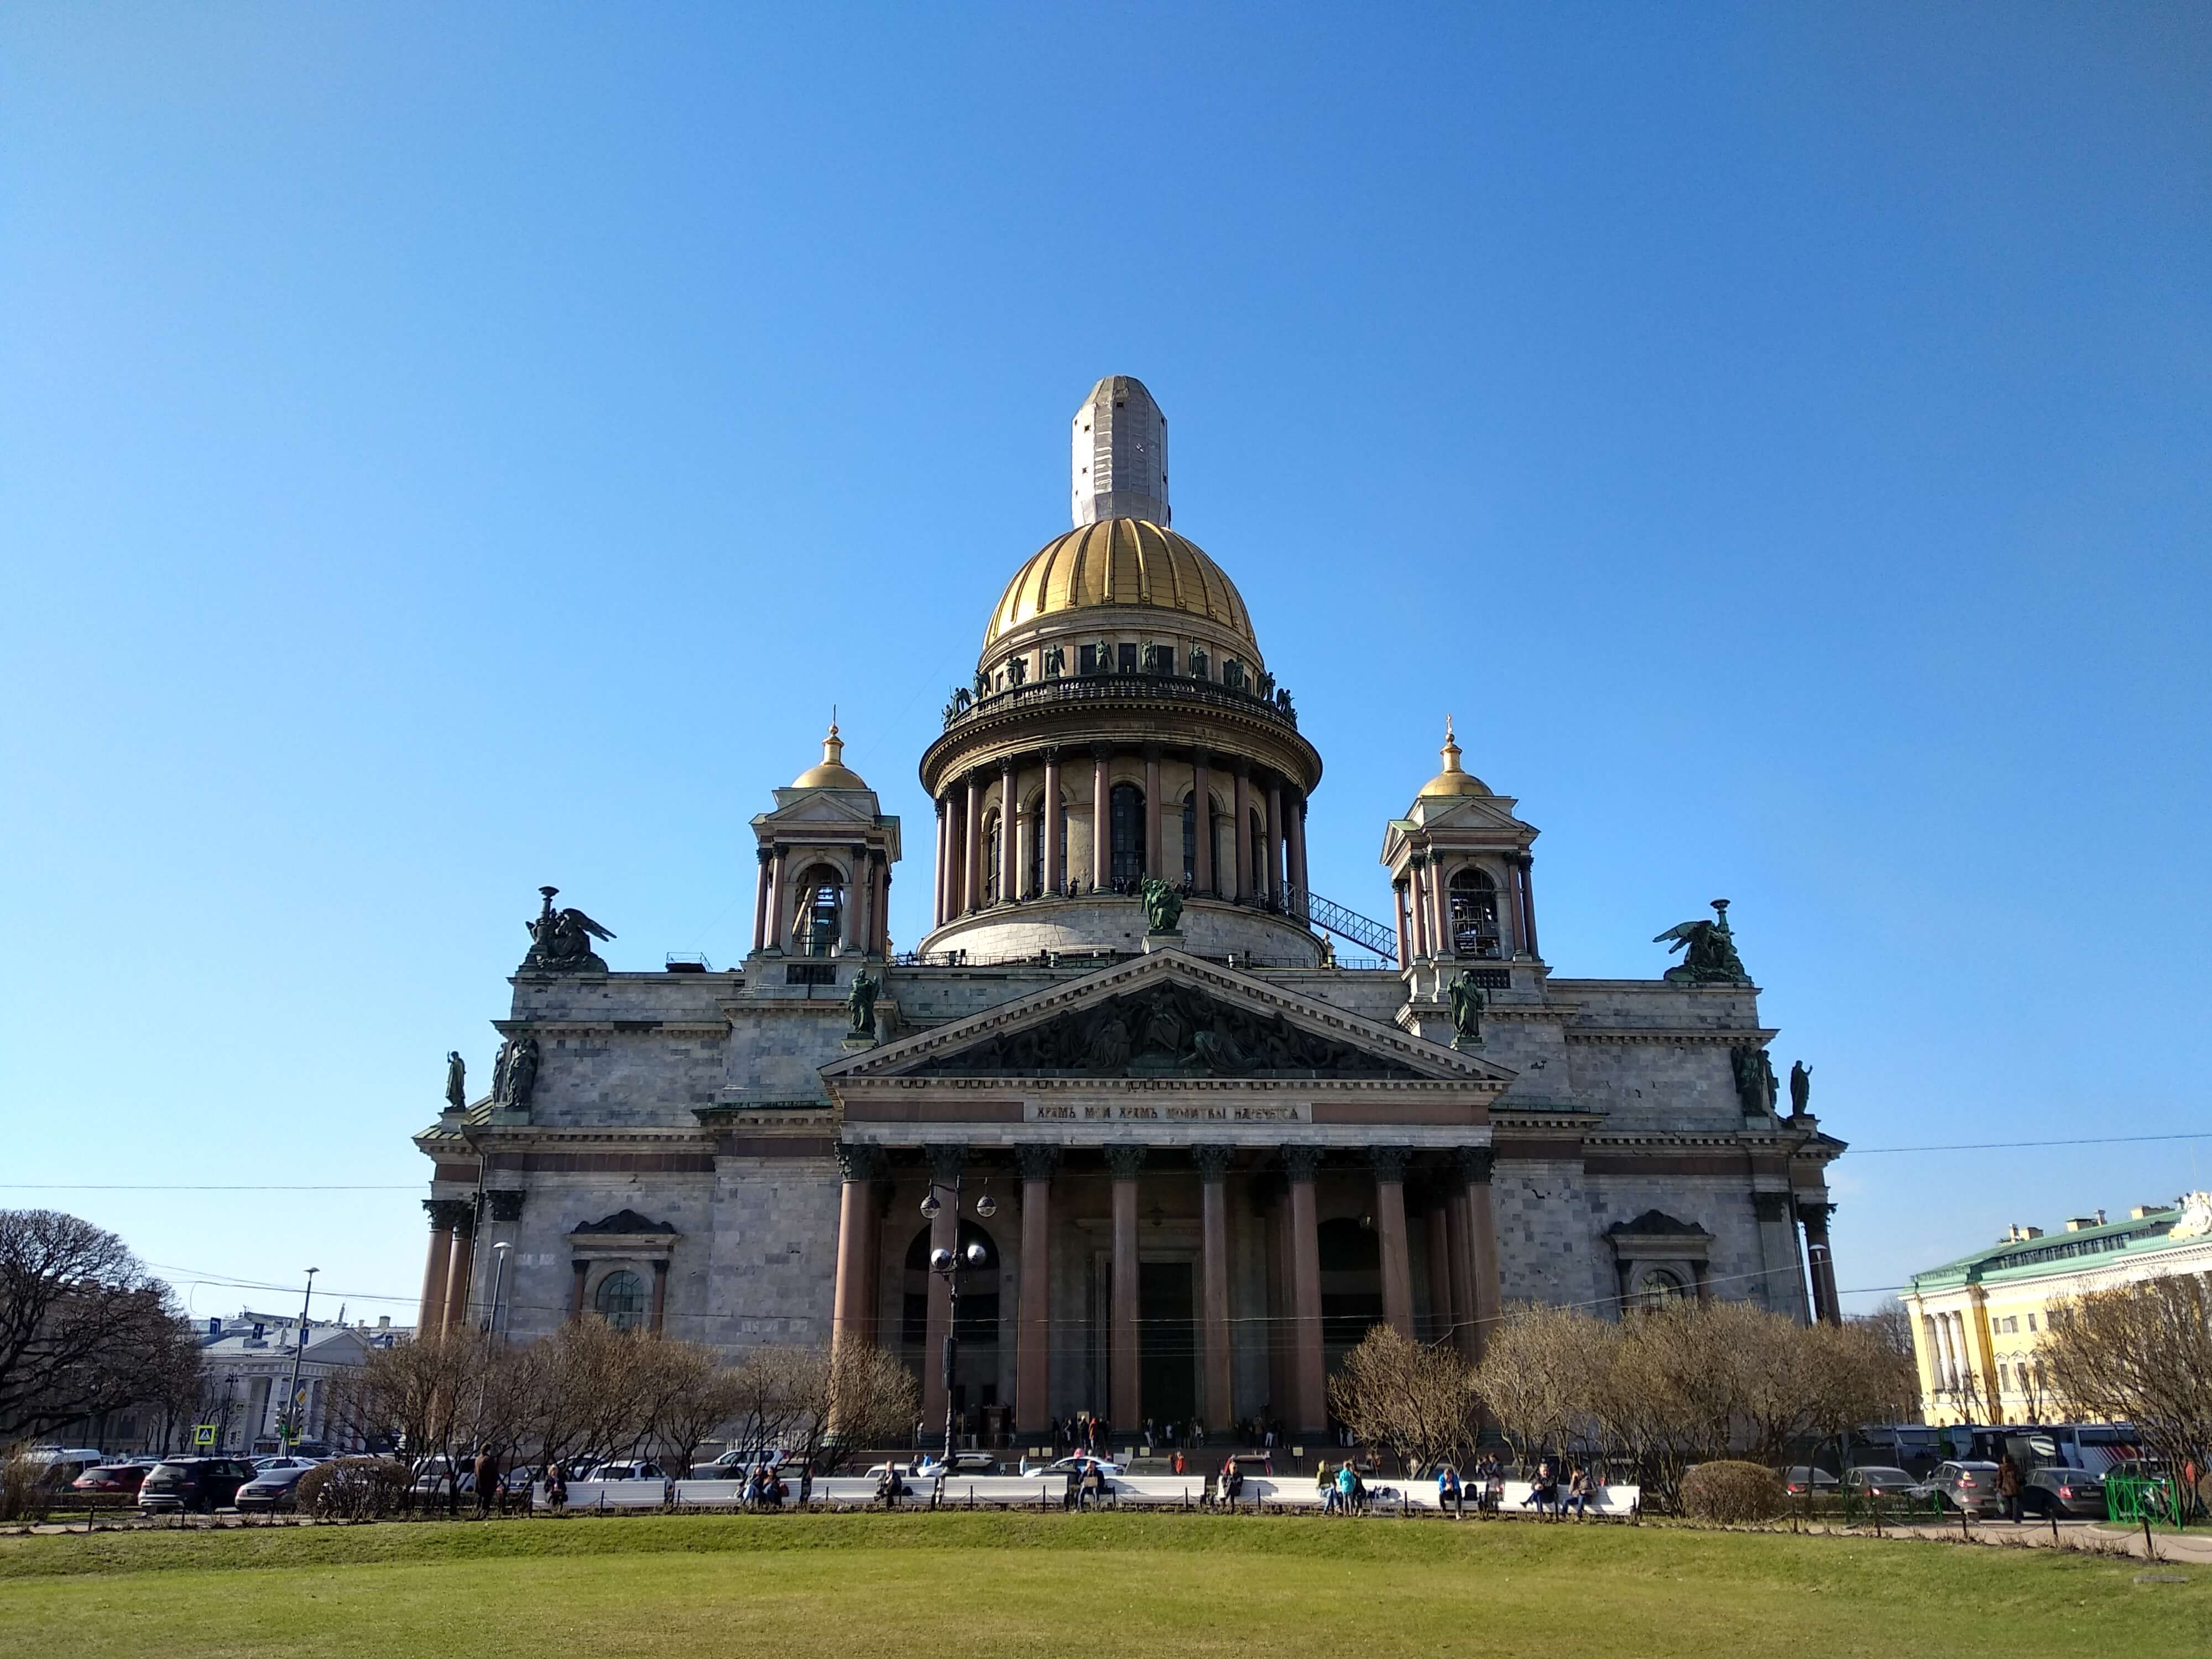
(1186, 1153)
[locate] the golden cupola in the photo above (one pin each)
(1452, 780)
(830, 772)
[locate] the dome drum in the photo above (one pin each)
(1106, 924)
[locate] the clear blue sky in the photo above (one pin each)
(448, 449)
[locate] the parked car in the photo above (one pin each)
(1877, 1481)
(205, 1484)
(273, 1489)
(124, 1477)
(631, 1468)
(736, 1460)
(962, 1462)
(1967, 1484)
(1080, 1463)
(270, 1464)
(2060, 1490)
(1795, 1479)
(63, 1464)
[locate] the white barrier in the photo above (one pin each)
(609, 1494)
(1184, 1490)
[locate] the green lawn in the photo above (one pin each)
(671, 1587)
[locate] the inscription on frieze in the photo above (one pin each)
(1039, 1111)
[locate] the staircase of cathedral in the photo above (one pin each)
(1366, 932)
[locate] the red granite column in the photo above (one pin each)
(1484, 1304)
(1404, 929)
(760, 903)
(1009, 877)
(1033, 1334)
(436, 1266)
(1240, 835)
(1054, 876)
(1201, 823)
(1296, 826)
(1101, 825)
(854, 1297)
(1126, 1408)
(460, 1274)
(1276, 841)
(1390, 1233)
(1307, 1369)
(945, 1162)
(975, 890)
(1215, 1396)
(1155, 858)
(659, 1317)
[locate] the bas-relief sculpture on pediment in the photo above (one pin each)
(1169, 1029)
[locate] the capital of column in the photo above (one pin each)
(1102, 751)
(859, 1162)
(1212, 1162)
(1814, 1216)
(1201, 755)
(1300, 1162)
(1151, 751)
(446, 1214)
(507, 1203)
(1049, 754)
(464, 1219)
(1770, 1207)
(1476, 1163)
(1038, 1163)
(768, 854)
(1124, 1161)
(1390, 1162)
(946, 1161)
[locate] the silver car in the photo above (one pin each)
(1970, 1487)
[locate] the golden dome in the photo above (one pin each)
(1121, 562)
(832, 773)
(1452, 780)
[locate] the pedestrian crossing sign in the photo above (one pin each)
(204, 1434)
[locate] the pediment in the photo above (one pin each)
(1169, 1014)
(830, 806)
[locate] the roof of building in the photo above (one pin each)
(1119, 563)
(2039, 1257)
(831, 773)
(1452, 780)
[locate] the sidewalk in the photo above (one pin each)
(2189, 1548)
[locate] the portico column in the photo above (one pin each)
(945, 1162)
(1405, 937)
(1240, 835)
(1009, 887)
(1456, 1219)
(1815, 1218)
(936, 877)
(883, 905)
(436, 1265)
(1054, 876)
(1417, 873)
(1201, 823)
(973, 824)
(1307, 1370)
(1440, 924)
(1155, 858)
(1272, 888)
(855, 1294)
(848, 913)
(1214, 1396)
(1296, 826)
(1484, 1302)
(1440, 1275)
(1101, 825)
(776, 934)
(1026, 827)
(1391, 1232)
(760, 903)
(658, 1318)
(1125, 1409)
(461, 1266)
(1033, 1335)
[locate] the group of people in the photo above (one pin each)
(1343, 1492)
(1082, 1431)
(1547, 1496)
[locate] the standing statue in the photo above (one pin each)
(1163, 905)
(1055, 661)
(1801, 1087)
(457, 1081)
(1708, 950)
(1468, 1003)
(560, 941)
(861, 1001)
(1756, 1091)
(1017, 669)
(515, 1077)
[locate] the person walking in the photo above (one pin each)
(1347, 1489)
(557, 1488)
(486, 1470)
(2008, 1487)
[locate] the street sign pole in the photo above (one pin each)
(291, 1419)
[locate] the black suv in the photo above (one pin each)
(207, 1484)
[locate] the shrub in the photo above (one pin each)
(355, 1488)
(1728, 1494)
(26, 1489)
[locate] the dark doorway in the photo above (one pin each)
(1167, 1341)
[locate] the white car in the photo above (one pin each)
(1080, 1463)
(630, 1469)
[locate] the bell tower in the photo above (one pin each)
(1118, 466)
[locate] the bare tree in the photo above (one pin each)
(82, 1329)
(1893, 1323)
(420, 1395)
(687, 1394)
(2141, 1353)
(1418, 1401)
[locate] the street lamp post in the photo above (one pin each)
(498, 1283)
(290, 1418)
(948, 1266)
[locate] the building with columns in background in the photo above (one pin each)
(1196, 1128)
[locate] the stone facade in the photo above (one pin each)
(1195, 1165)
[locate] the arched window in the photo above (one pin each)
(1036, 846)
(1658, 1287)
(1126, 813)
(821, 891)
(1189, 839)
(1475, 914)
(620, 1300)
(991, 866)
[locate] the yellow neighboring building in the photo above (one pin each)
(1978, 1322)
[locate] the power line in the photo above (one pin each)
(2011, 1145)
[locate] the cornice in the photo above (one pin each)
(1740, 1038)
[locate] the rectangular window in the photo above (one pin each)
(1087, 659)
(1127, 655)
(810, 973)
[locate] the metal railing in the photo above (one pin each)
(1107, 688)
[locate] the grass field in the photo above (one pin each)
(672, 1588)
